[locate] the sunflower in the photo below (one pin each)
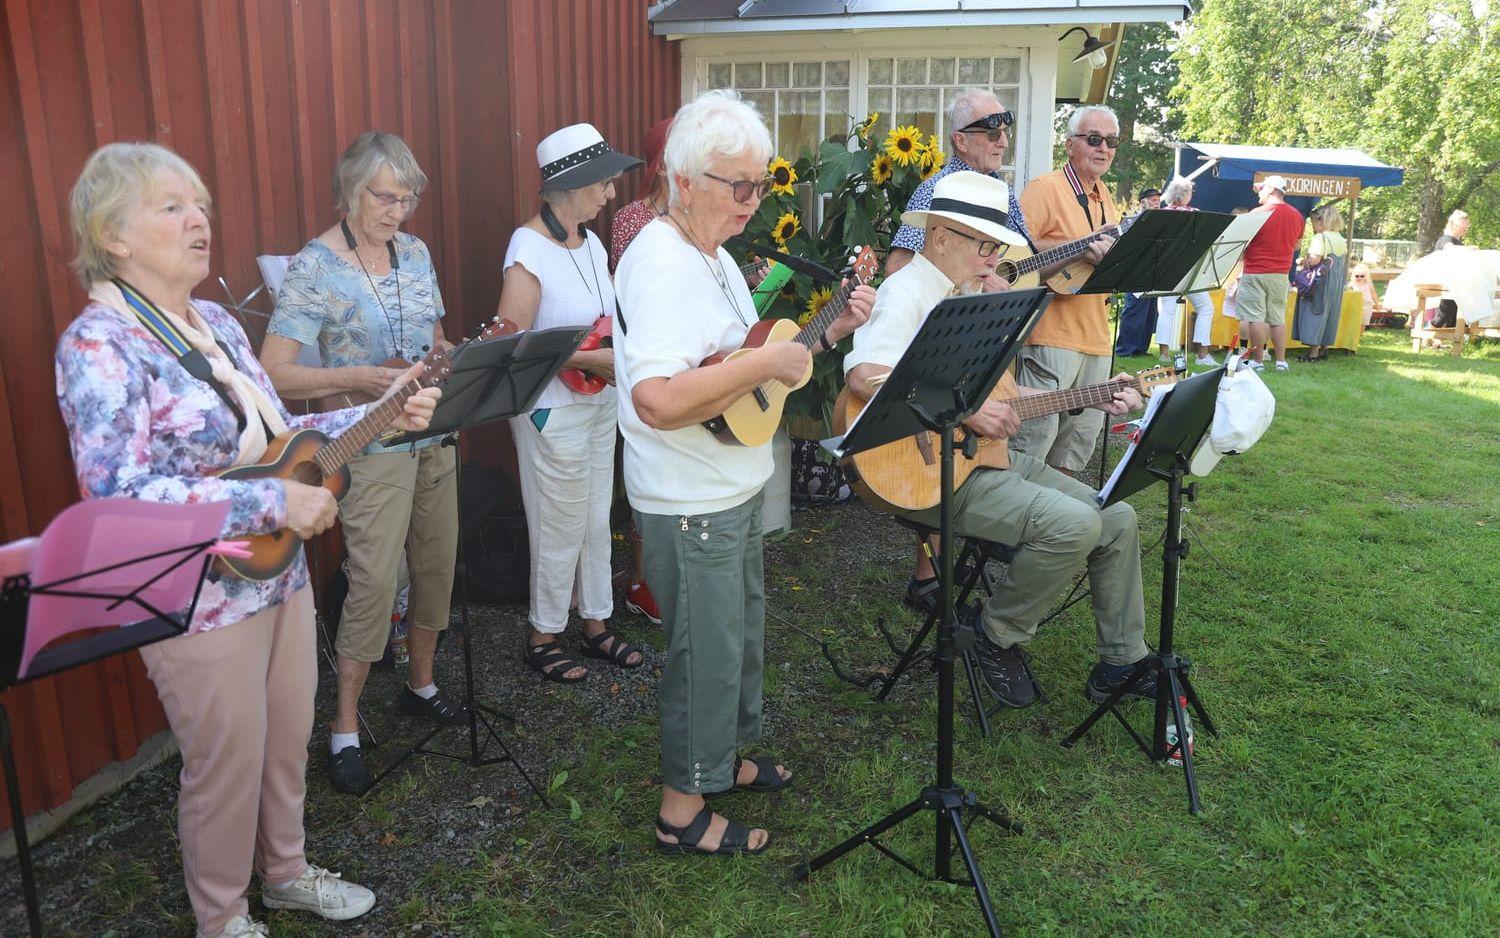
(904, 144)
(815, 304)
(785, 228)
(881, 169)
(935, 152)
(869, 124)
(782, 176)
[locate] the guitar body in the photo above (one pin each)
(906, 475)
(599, 337)
(1071, 278)
(1009, 268)
(289, 456)
(752, 420)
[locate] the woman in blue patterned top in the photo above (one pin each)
(365, 294)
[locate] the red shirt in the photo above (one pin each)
(1271, 250)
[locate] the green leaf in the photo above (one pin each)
(575, 812)
(836, 163)
(558, 781)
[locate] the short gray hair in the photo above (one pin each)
(1075, 120)
(1178, 191)
(961, 111)
(363, 160)
(715, 125)
(1456, 216)
(114, 181)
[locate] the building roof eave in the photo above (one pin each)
(680, 19)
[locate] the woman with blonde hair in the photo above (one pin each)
(1317, 319)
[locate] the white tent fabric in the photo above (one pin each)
(1469, 277)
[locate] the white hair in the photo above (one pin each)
(1075, 120)
(1456, 216)
(961, 112)
(363, 160)
(117, 178)
(716, 125)
(1178, 191)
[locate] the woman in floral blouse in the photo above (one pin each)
(238, 693)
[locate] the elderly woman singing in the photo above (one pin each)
(366, 295)
(696, 500)
(239, 693)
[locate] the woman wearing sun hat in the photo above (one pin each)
(557, 275)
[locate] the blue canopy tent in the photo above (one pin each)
(1222, 173)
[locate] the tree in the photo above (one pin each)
(1414, 83)
(1144, 77)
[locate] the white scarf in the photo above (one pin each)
(251, 398)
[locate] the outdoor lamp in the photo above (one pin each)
(1093, 49)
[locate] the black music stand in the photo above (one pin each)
(948, 371)
(491, 380)
(1177, 421)
(125, 586)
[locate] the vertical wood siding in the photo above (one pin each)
(261, 96)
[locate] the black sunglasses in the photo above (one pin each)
(991, 125)
(986, 248)
(1110, 140)
(744, 189)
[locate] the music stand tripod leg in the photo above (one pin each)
(18, 824)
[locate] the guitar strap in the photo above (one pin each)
(1082, 197)
(191, 359)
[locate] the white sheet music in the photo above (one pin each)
(1153, 404)
(1213, 268)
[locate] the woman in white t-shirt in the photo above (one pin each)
(557, 274)
(697, 500)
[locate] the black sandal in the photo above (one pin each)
(765, 767)
(550, 661)
(619, 656)
(922, 595)
(736, 838)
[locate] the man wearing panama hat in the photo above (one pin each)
(1052, 519)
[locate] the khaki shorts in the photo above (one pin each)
(1262, 298)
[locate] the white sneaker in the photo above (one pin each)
(1206, 361)
(1253, 365)
(322, 892)
(243, 926)
(1283, 366)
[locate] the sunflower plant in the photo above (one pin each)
(862, 183)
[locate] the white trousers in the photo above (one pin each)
(567, 483)
(1167, 332)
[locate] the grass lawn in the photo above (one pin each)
(1339, 603)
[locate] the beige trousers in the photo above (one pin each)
(1062, 441)
(397, 501)
(239, 699)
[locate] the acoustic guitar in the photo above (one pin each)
(906, 474)
(586, 382)
(1023, 268)
(753, 419)
(310, 457)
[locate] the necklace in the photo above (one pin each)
(593, 270)
(715, 270)
(397, 329)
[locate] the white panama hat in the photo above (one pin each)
(577, 156)
(981, 202)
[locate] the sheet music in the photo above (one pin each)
(1213, 268)
(1153, 404)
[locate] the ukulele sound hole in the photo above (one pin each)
(307, 473)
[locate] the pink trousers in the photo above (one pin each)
(240, 702)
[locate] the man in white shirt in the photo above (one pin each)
(1052, 519)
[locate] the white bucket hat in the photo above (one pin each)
(981, 202)
(1242, 413)
(577, 156)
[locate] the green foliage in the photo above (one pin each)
(1415, 83)
(1140, 94)
(857, 211)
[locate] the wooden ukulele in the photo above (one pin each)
(310, 457)
(752, 420)
(1023, 268)
(585, 382)
(906, 474)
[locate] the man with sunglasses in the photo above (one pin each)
(1070, 346)
(978, 136)
(1054, 522)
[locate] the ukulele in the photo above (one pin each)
(310, 457)
(906, 474)
(753, 419)
(585, 382)
(1023, 268)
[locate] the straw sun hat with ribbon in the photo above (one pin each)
(971, 199)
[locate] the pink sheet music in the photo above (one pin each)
(101, 532)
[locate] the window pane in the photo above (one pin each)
(748, 75)
(880, 71)
(836, 115)
(777, 74)
(880, 102)
(718, 75)
(917, 106)
(1009, 98)
(798, 123)
(974, 71)
(836, 74)
(1007, 71)
(912, 71)
(765, 103)
(941, 71)
(807, 75)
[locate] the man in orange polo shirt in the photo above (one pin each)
(1070, 346)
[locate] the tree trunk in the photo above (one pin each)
(1431, 215)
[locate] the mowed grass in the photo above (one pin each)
(1340, 605)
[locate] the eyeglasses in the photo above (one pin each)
(993, 126)
(986, 248)
(745, 189)
(387, 200)
(1110, 140)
